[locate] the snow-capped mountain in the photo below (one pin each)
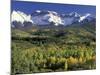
(74, 17)
(46, 17)
(20, 18)
(70, 18)
(74, 14)
(43, 17)
(84, 17)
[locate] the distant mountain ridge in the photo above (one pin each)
(41, 17)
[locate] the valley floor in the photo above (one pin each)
(53, 50)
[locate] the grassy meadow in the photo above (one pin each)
(68, 48)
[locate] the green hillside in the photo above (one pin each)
(55, 49)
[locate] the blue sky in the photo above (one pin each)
(29, 7)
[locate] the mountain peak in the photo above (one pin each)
(53, 12)
(84, 17)
(45, 17)
(74, 14)
(20, 17)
